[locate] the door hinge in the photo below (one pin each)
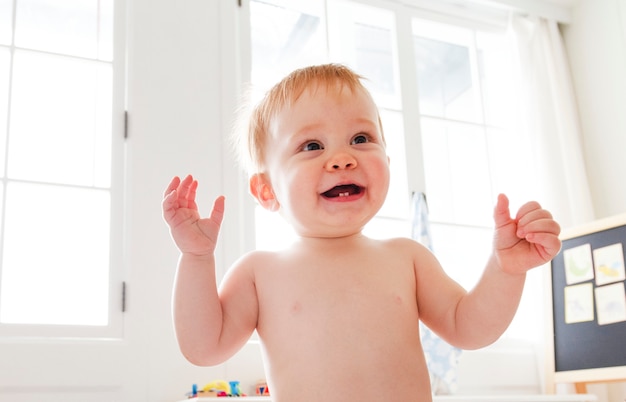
(125, 124)
(123, 297)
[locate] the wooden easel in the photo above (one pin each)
(581, 387)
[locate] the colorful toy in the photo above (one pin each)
(261, 388)
(218, 388)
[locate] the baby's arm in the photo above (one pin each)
(477, 318)
(210, 327)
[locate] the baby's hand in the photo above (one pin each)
(528, 241)
(192, 234)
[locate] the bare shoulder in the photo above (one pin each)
(405, 245)
(257, 259)
(424, 261)
(249, 264)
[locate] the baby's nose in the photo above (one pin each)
(341, 160)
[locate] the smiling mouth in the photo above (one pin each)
(343, 191)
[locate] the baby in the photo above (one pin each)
(337, 313)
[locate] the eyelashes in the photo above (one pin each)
(311, 146)
(361, 139)
(315, 145)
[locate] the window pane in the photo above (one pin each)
(105, 30)
(363, 38)
(55, 261)
(5, 59)
(69, 140)
(457, 172)
(446, 71)
(374, 57)
(6, 21)
(509, 170)
(463, 251)
(397, 202)
(497, 79)
(67, 27)
(284, 39)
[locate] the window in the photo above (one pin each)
(59, 198)
(466, 100)
(447, 111)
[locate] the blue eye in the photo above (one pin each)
(312, 146)
(361, 139)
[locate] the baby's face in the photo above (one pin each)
(326, 162)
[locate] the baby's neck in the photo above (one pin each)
(312, 242)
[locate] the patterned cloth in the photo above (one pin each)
(441, 358)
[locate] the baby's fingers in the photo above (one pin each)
(191, 195)
(169, 205)
(530, 211)
(187, 192)
(547, 244)
(172, 186)
(179, 194)
(211, 227)
(531, 216)
(217, 214)
(537, 220)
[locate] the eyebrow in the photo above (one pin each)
(303, 131)
(361, 121)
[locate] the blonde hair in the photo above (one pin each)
(255, 125)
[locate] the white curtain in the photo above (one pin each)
(550, 116)
(551, 120)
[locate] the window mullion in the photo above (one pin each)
(410, 101)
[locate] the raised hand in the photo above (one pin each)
(528, 241)
(191, 233)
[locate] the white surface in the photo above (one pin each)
(516, 398)
(245, 398)
(461, 398)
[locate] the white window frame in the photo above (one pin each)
(117, 253)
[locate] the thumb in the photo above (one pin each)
(501, 213)
(217, 214)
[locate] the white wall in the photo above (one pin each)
(596, 46)
(180, 79)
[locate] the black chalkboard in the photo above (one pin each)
(589, 343)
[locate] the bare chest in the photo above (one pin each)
(341, 294)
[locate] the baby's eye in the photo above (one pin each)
(312, 146)
(361, 139)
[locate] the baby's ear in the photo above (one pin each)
(261, 189)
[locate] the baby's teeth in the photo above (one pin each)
(344, 194)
